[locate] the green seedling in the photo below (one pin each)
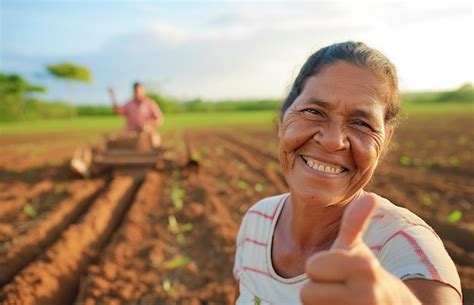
(405, 160)
(180, 238)
(219, 150)
(176, 228)
(427, 199)
(29, 210)
(196, 156)
(188, 227)
(462, 140)
(177, 195)
(176, 263)
(454, 216)
(169, 288)
(173, 225)
(256, 300)
(242, 184)
(167, 285)
(454, 161)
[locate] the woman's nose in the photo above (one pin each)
(332, 139)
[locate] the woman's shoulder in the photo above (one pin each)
(392, 215)
(390, 219)
(264, 210)
(267, 204)
(267, 207)
(407, 246)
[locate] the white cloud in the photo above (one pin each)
(255, 49)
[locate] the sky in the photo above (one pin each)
(227, 49)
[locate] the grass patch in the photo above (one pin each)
(173, 122)
(202, 120)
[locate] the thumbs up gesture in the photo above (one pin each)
(349, 273)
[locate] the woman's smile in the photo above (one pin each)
(329, 169)
(333, 135)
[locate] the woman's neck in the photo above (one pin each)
(314, 225)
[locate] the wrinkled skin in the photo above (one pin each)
(338, 120)
(327, 122)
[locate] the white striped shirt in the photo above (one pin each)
(404, 244)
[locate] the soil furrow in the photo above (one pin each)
(27, 246)
(54, 277)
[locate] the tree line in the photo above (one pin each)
(18, 99)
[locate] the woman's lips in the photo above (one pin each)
(322, 166)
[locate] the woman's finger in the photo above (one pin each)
(323, 293)
(339, 266)
(354, 221)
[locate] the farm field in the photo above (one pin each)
(169, 237)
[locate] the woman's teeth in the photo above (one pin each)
(322, 168)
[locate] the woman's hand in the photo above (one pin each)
(349, 273)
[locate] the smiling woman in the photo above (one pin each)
(328, 241)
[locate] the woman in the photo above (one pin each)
(328, 241)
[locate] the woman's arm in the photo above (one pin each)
(116, 107)
(349, 273)
(433, 292)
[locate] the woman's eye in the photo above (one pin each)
(314, 112)
(362, 124)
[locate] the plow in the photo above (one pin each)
(127, 154)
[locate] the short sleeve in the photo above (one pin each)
(155, 110)
(417, 252)
(238, 262)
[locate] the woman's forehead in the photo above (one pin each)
(346, 83)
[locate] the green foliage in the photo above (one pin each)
(464, 94)
(70, 71)
(167, 105)
(235, 105)
(91, 110)
(242, 184)
(13, 84)
(177, 195)
(427, 199)
(454, 216)
(256, 300)
(39, 109)
(405, 160)
(177, 262)
(29, 210)
(13, 94)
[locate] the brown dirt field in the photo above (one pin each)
(170, 239)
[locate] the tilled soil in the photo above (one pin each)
(169, 238)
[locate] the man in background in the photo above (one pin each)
(142, 113)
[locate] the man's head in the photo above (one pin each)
(138, 91)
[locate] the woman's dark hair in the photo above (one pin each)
(137, 84)
(356, 53)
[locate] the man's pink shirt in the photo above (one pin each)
(138, 114)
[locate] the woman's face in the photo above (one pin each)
(333, 135)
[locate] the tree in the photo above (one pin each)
(70, 72)
(13, 92)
